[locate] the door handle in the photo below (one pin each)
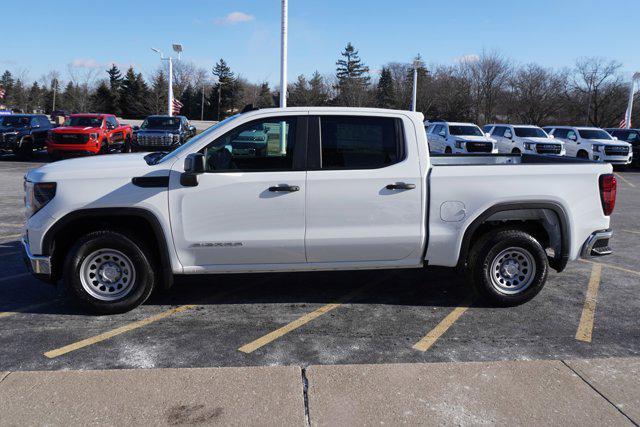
(401, 186)
(286, 188)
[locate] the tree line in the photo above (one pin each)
(483, 89)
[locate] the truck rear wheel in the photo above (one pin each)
(508, 267)
(25, 150)
(108, 273)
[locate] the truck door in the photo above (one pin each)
(364, 189)
(249, 205)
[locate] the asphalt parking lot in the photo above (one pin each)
(590, 310)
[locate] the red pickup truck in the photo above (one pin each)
(87, 134)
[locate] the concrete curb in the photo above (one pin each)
(575, 392)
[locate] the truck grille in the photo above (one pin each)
(616, 150)
(479, 147)
(155, 140)
(70, 138)
(548, 148)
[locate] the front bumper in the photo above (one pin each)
(89, 148)
(38, 265)
(597, 244)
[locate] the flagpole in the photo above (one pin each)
(283, 72)
(632, 89)
(170, 97)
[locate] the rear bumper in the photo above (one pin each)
(597, 244)
(38, 265)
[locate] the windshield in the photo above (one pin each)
(161, 123)
(15, 121)
(465, 131)
(530, 133)
(84, 121)
(593, 134)
(186, 147)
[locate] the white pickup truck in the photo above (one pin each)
(336, 189)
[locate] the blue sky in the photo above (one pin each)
(40, 36)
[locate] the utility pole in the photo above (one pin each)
(55, 89)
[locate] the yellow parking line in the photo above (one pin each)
(615, 267)
(301, 321)
(425, 343)
(112, 333)
(626, 180)
(6, 224)
(26, 308)
(15, 276)
(585, 327)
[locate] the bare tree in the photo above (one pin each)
(83, 79)
(596, 85)
(535, 94)
(488, 74)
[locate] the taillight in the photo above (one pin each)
(608, 190)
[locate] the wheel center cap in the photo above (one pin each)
(110, 272)
(510, 268)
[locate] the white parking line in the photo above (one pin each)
(625, 180)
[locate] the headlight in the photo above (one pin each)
(176, 137)
(597, 148)
(37, 195)
(459, 144)
(529, 146)
(93, 136)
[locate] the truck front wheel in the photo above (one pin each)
(108, 273)
(508, 267)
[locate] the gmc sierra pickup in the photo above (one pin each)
(339, 189)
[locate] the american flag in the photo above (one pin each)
(177, 106)
(623, 123)
(1, 92)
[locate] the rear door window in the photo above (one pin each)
(352, 142)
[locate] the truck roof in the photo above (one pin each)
(90, 115)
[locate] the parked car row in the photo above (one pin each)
(90, 134)
(616, 146)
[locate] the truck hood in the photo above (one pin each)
(473, 138)
(75, 129)
(544, 141)
(607, 142)
(96, 167)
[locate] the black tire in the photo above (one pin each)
(104, 147)
(137, 255)
(582, 154)
(516, 151)
(447, 150)
(501, 244)
(25, 150)
(126, 146)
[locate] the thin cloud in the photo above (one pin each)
(472, 57)
(234, 18)
(85, 63)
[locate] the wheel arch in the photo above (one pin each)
(61, 235)
(527, 216)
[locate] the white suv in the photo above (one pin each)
(516, 139)
(458, 138)
(594, 144)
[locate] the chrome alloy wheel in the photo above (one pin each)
(107, 275)
(512, 271)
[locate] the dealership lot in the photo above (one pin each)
(590, 310)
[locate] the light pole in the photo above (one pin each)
(283, 53)
(414, 99)
(632, 90)
(178, 49)
(202, 106)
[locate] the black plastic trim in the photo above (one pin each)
(558, 263)
(167, 272)
(150, 181)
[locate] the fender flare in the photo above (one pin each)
(558, 263)
(166, 279)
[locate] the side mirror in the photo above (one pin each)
(135, 127)
(508, 135)
(487, 134)
(193, 166)
(192, 129)
(615, 138)
(551, 136)
(442, 133)
(573, 138)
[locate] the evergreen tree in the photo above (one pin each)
(6, 81)
(226, 93)
(386, 90)
(299, 92)
(159, 101)
(34, 98)
(18, 96)
(68, 98)
(265, 98)
(318, 93)
(188, 101)
(115, 86)
(102, 99)
(134, 95)
(353, 78)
